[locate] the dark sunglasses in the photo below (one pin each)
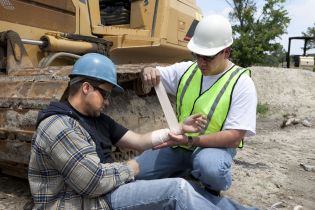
(205, 58)
(105, 94)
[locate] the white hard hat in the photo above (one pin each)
(213, 34)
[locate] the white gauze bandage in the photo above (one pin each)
(167, 108)
(160, 136)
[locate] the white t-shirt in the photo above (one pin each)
(242, 114)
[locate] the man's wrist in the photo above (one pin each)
(190, 141)
(159, 136)
(133, 167)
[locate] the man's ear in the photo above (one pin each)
(227, 53)
(85, 88)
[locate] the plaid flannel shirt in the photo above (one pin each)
(65, 171)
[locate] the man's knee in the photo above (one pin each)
(176, 186)
(215, 174)
(219, 177)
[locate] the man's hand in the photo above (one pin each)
(194, 123)
(150, 76)
(134, 165)
(174, 140)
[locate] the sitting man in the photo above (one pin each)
(71, 165)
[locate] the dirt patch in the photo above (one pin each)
(267, 171)
(14, 192)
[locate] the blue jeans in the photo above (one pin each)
(175, 193)
(209, 165)
(172, 193)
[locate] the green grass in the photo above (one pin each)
(262, 109)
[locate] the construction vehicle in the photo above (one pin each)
(41, 39)
(301, 61)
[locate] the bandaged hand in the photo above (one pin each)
(194, 123)
(173, 140)
(160, 136)
(165, 138)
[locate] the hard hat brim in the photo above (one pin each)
(203, 50)
(118, 89)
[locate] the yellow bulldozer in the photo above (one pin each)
(41, 39)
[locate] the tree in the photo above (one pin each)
(255, 34)
(310, 33)
(275, 58)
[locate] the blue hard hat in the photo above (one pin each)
(98, 67)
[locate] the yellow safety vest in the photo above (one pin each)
(213, 103)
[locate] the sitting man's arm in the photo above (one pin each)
(76, 159)
(152, 139)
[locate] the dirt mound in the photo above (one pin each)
(285, 90)
(268, 172)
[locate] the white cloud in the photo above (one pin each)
(302, 16)
(213, 7)
(226, 11)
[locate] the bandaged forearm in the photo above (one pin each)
(160, 136)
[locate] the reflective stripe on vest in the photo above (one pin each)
(213, 103)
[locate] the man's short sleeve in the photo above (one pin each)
(116, 130)
(242, 114)
(170, 75)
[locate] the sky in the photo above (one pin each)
(301, 12)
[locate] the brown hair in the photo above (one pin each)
(76, 83)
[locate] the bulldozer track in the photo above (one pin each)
(25, 93)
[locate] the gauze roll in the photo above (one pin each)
(167, 109)
(160, 136)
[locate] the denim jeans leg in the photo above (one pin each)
(164, 163)
(221, 202)
(172, 193)
(212, 167)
